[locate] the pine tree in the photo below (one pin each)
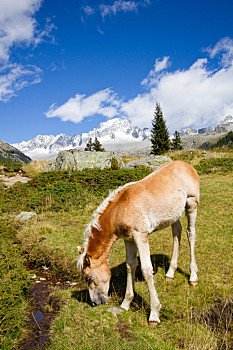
(97, 146)
(176, 142)
(159, 133)
(89, 145)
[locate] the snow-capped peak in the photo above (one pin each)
(111, 134)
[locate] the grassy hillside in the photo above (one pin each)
(191, 318)
(224, 142)
(11, 154)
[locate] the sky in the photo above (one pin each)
(66, 66)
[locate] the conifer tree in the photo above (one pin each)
(94, 146)
(159, 133)
(176, 142)
(97, 146)
(89, 145)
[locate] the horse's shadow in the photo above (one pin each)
(118, 281)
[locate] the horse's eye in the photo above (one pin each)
(88, 279)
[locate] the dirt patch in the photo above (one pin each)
(220, 320)
(124, 331)
(44, 305)
(10, 181)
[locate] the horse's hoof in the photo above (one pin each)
(169, 279)
(153, 324)
(194, 283)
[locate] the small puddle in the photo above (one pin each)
(44, 305)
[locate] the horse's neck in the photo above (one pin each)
(100, 243)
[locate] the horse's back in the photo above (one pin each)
(169, 178)
(158, 200)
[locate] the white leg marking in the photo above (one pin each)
(142, 242)
(131, 264)
(176, 232)
(191, 209)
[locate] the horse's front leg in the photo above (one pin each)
(131, 264)
(142, 242)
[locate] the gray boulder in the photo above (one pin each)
(79, 160)
(152, 162)
(25, 216)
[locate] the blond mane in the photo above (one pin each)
(95, 222)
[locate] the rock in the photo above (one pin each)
(10, 181)
(25, 216)
(115, 311)
(206, 130)
(152, 162)
(39, 316)
(225, 126)
(79, 160)
(188, 131)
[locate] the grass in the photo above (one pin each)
(13, 287)
(191, 318)
(195, 156)
(183, 315)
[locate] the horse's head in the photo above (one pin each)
(97, 275)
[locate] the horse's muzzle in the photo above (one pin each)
(93, 304)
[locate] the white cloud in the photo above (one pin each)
(88, 10)
(17, 24)
(153, 76)
(224, 45)
(77, 108)
(18, 27)
(14, 77)
(116, 7)
(194, 97)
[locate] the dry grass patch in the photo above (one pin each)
(35, 167)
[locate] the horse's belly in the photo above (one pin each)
(157, 220)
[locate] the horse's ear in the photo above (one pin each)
(87, 260)
(80, 249)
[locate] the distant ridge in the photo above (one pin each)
(11, 154)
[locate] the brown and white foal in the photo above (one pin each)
(132, 212)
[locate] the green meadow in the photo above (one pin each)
(191, 317)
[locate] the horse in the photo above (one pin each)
(132, 212)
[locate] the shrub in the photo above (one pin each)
(61, 190)
(214, 165)
(13, 286)
(10, 167)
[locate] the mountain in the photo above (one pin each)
(10, 153)
(116, 134)
(224, 126)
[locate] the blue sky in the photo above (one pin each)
(65, 66)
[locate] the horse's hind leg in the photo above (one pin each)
(176, 232)
(131, 264)
(191, 212)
